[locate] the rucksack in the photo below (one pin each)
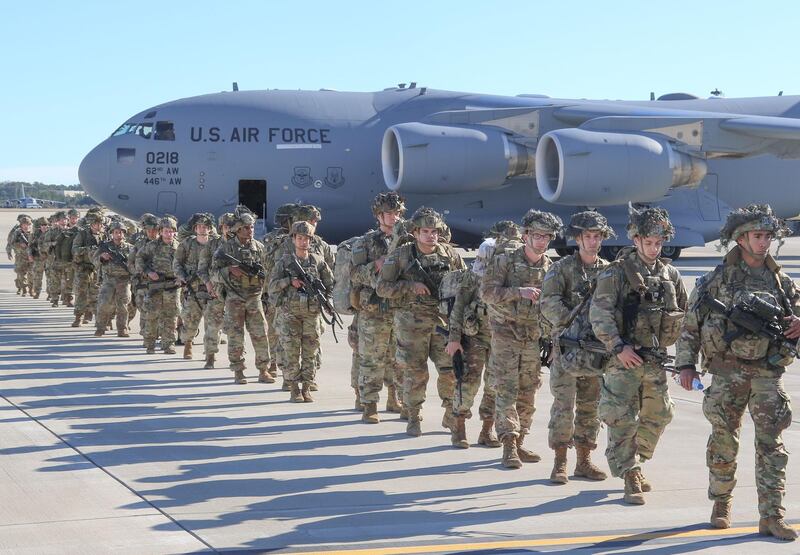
(63, 248)
(345, 295)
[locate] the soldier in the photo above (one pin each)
(56, 279)
(84, 244)
(511, 288)
(468, 332)
(214, 312)
(19, 241)
(186, 266)
(238, 263)
(636, 311)
(575, 387)
(298, 311)
(39, 255)
(154, 263)
(375, 337)
(65, 249)
(115, 291)
(273, 241)
(410, 277)
(747, 370)
(149, 232)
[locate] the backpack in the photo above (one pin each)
(63, 248)
(345, 295)
(448, 289)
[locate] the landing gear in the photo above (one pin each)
(671, 252)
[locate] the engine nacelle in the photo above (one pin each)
(423, 158)
(590, 168)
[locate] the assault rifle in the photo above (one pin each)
(756, 316)
(190, 290)
(313, 287)
(24, 238)
(163, 283)
(458, 362)
(253, 269)
(116, 257)
(646, 353)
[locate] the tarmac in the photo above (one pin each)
(106, 449)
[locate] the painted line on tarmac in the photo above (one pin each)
(544, 542)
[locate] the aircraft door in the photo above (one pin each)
(253, 194)
(707, 199)
(167, 202)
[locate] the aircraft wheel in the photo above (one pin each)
(671, 252)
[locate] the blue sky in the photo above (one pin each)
(71, 72)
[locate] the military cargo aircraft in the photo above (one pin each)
(476, 158)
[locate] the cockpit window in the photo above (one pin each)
(142, 129)
(165, 131)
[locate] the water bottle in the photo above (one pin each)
(697, 385)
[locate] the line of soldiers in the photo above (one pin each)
(602, 327)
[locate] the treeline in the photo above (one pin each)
(13, 190)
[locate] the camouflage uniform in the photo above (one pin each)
(68, 282)
(84, 244)
(516, 326)
(185, 265)
(298, 315)
(115, 290)
(139, 282)
(243, 302)
(55, 275)
(19, 242)
(214, 313)
(641, 306)
(416, 320)
(160, 313)
(746, 372)
(576, 391)
(39, 255)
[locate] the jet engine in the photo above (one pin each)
(590, 168)
(423, 158)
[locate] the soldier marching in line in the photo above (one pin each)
(56, 279)
(636, 311)
(746, 368)
(84, 244)
(64, 248)
(112, 258)
(374, 328)
(238, 264)
(149, 232)
(298, 310)
(410, 277)
(574, 380)
(154, 264)
(511, 288)
(37, 252)
(19, 240)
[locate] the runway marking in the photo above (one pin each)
(506, 544)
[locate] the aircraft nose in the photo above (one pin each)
(93, 173)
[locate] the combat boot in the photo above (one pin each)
(633, 488)
(526, 455)
(721, 514)
(273, 370)
(393, 404)
(99, 332)
(286, 386)
(168, 349)
(123, 332)
(264, 376)
(36, 294)
(238, 377)
(448, 420)
(295, 396)
(209, 362)
(370, 415)
(458, 435)
(307, 389)
(487, 437)
(187, 350)
(54, 303)
(510, 455)
(150, 349)
(313, 386)
(414, 427)
(358, 406)
(87, 317)
(69, 302)
(77, 322)
(585, 468)
(646, 487)
(404, 413)
(559, 473)
(777, 527)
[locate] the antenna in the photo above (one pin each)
(652, 95)
(716, 92)
(235, 86)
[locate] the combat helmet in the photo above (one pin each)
(73, 212)
(227, 219)
(302, 228)
(242, 216)
(753, 217)
(503, 230)
(24, 219)
(589, 220)
(148, 220)
(93, 217)
(40, 222)
(427, 217)
(168, 222)
(388, 202)
(118, 224)
(284, 215)
(59, 215)
(649, 222)
(536, 220)
(308, 213)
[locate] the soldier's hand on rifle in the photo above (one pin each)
(531, 293)
(379, 264)
(453, 347)
(629, 358)
(153, 276)
(235, 271)
(105, 257)
(296, 283)
(687, 376)
(421, 289)
(794, 327)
